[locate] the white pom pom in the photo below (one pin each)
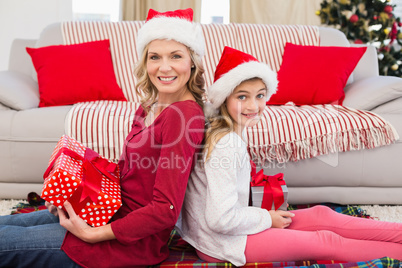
(209, 110)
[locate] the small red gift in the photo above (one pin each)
(88, 181)
(269, 192)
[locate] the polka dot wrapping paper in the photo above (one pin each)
(88, 181)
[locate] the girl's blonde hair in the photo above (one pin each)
(148, 92)
(218, 126)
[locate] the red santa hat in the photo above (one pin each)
(175, 25)
(233, 68)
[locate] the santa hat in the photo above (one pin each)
(172, 25)
(233, 68)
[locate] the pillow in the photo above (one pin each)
(314, 74)
(18, 91)
(369, 93)
(68, 74)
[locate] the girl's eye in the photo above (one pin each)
(261, 96)
(241, 97)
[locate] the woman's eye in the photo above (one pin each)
(176, 57)
(153, 57)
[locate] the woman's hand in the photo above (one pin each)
(78, 227)
(281, 219)
(52, 208)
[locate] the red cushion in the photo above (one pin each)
(314, 74)
(68, 74)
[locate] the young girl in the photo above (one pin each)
(216, 218)
(155, 165)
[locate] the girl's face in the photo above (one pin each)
(246, 104)
(169, 66)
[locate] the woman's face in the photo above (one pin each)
(246, 104)
(169, 66)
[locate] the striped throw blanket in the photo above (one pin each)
(291, 133)
(285, 133)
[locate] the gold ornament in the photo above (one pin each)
(362, 9)
(383, 17)
(386, 31)
(318, 13)
(344, 2)
(394, 67)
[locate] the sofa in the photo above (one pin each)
(28, 134)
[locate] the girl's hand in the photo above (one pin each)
(52, 208)
(78, 227)
(281, 219)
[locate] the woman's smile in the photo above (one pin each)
(167, 79)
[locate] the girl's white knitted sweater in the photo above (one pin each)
(215, 217)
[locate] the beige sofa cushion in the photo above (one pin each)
(18, 91)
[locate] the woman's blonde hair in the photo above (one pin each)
(148, 92)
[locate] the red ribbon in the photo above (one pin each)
(94, 167)
(273, 193)
(394, 32)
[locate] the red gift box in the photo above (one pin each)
(88, 181)
(269, 192)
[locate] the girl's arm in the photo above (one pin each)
(223, 213)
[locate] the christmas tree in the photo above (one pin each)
(368, 22)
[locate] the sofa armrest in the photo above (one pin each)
(392, 107)
(368, 64)
(18, 91)
(369, 93)
(19, 60)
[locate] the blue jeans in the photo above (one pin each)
(32, 240)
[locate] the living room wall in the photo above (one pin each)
(26, 19)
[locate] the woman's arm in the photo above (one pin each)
(182, 130)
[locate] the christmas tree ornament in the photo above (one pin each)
(370, 22)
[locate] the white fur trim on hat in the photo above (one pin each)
(171, 28)
(225, 85)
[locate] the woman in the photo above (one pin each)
(156, 162)
(216, 218)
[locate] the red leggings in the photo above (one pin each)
(319, 233)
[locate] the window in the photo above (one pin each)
(398, 8)
(215, 11)
(103, 10)
(212, 11)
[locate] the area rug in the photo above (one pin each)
(183, 254)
